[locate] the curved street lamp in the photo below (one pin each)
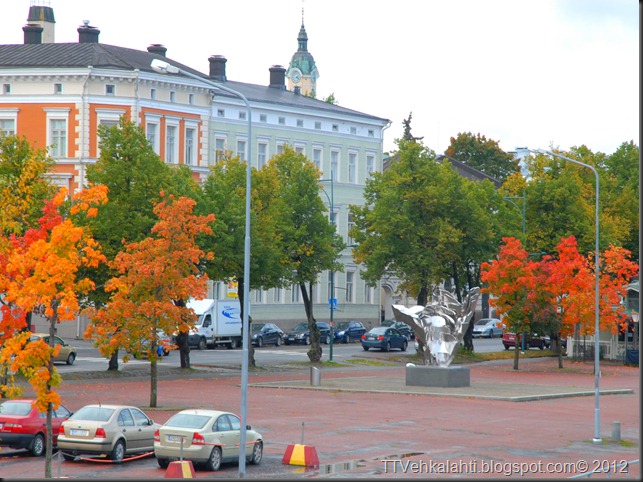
(331, 296)
(166, 68)
(597, 372)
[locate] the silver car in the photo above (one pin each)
(207, 437)
(114, 430)
(488, 328)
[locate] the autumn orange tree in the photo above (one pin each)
(512, 280)
(40, 273)
(152, 275)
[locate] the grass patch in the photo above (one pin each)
(369, 362)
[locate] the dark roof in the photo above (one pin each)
(468, 171)
(98, 55)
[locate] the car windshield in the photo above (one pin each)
(301, 327)
(256, 327)
(342, 325)
(380, 330)
(15, 408)
(188, 420)
(96, 414)
(482, 322)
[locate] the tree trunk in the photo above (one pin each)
(559, 348)
(49, 439)
(517, 351)
(153, 377)
(184, 349)
(315, 351)
(113, 362)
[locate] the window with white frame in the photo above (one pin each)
(350, 286)
(352, 166)
(370, 165)
(57, 120)
(110, 89)
(172, 96)
(7, 125)
(317, 157)
(317, 125)
(277, 295)
(220, 112)
(263, 118)
(262, 154)
(153, 94)
(330, 288)
(295, 294)
(242, 115)
(351, 225)
(109, 120)
(219, 149)
(353, 130)
(58, 88)
(171, 144)
(280, 147)
(299, 149)
(152, 134)
(6, 89)
(191, 99)
(300, 122)
(260, 296)
(335, 128)
(241, 149)
(190, 146)
(282, 120)
(368, 294)
(371, 133)
(334, 164)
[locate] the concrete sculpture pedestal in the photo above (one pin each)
(432, 376)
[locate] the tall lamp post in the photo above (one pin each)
(331, 296)
(523, 212)
(165, 68)
(597, 373)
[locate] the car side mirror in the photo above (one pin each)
(248, 427)
(150, 421)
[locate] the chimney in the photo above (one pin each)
(157, 49)
(43, 16)
(297, 90)
(87, 34)
(278, 77)
(217, 67)
(33, 33)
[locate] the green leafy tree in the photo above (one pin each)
(310, 242)
(483, 154)
(224, 195)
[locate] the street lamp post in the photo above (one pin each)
(166, 68)
(523, 212)
(597, 373)
(331, 274)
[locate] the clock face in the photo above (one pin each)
(296, 76)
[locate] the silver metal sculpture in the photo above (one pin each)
(440, 325)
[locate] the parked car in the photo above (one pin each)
(301, 333)
(114, 430)
(384, 338)
(207, 437)
(402, 327)
(487, 328)
(22, 426)
(266, 334)
(67, 352)
(347, 331)
(531, 341)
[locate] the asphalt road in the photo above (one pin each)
(89, 359)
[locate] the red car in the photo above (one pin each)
(23, 427)
(533, 341)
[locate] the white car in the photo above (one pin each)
(207, 437)
(488, 328)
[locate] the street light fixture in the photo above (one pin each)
(166, 68)
(597, 373)
(332, 302)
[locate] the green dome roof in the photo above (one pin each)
(302, 59)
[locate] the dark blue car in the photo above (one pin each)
(384, 338)
(348, 331)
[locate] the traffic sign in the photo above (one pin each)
(332, 303)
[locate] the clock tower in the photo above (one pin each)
(302, 71)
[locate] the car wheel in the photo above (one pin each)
(347, 338)
(202, 344)
(404, 345)
(365, 348)
(118, 453)
(506, 347)
(214, 462)
(163, 463)
(388, 346)
(542, 345)
(307, 340)
(71, 359)
(38, 446)
(327, 340)
(490, 334)
(259, 342)
(278, 341)
(257, 453)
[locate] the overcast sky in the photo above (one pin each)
(526, 73)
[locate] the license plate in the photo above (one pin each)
(75, 431)
(174, 438)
